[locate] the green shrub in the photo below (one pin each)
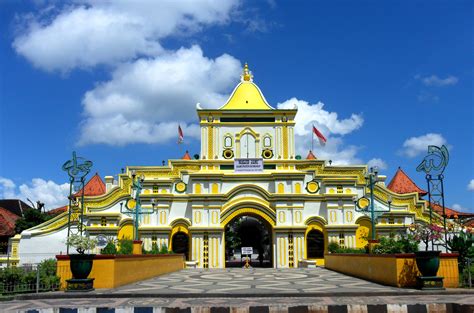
(334, 247)
(164, 249)
(11, 276)
(110, 248)
(125, 246)
(395, 245)
(154, 248)
(463, 244)
(16, 279)
(47, 267)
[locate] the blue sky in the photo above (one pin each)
(381, 80)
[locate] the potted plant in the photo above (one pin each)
(427, 261)
(81, 263)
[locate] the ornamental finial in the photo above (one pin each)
(246, 74)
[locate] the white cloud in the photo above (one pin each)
(415, 146)
(146, 99)
(53, 195)
(7, 188)
(435, 81)
(329, 125)
(470, 186)
(460, 208)
(106, 32)
(377, 162)
(327, 122)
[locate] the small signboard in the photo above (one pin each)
(253, 165)
(247, 250)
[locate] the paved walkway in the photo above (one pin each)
(236, 281)
(248, 291)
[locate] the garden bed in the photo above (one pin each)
(397, 270)
(111, 271)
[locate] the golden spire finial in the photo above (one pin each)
(246, 75)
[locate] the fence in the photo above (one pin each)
(467, 273)
(29, 278)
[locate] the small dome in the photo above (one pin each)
(247, 95)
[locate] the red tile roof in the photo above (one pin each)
(94, 187)
(450, 213)
(401, 183)
(7, 222)
(57, 210)
(469, 224)
(310, 156)
(186, 156)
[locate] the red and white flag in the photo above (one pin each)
(321, 138)
(180, 134)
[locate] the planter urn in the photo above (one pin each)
(81, 266)
(428, 265)
(427, 262)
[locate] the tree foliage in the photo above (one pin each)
(31, 218)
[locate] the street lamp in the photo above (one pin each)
(133, 205)
(362, 204)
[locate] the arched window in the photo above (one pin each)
(267, 142)
(228, 142)
(248, 146)
(315, 244)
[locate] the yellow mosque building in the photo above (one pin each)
(247, 171)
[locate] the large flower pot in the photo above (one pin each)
(81, 265)
(427, 262)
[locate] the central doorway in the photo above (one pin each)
(248, 231)
(180, 244)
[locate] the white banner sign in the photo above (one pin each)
(248, 165)
(247, 250)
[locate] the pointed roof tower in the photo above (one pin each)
(402, 183)
(310, 156)
(186, 156)
(94, 187)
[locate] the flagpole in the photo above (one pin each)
(312, 139)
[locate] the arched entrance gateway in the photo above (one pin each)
(248, 231)
(180, 244)
(249, 226)
(179, 239)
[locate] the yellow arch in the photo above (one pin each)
(125, 229)
(248, 187)
(176, 229)
(316, 220)
(233, 213)
(363, 231)
(246, 201)
(180, 220)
